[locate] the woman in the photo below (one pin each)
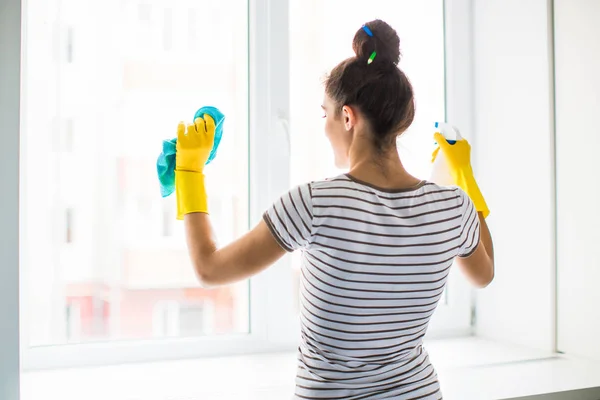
(377, 242)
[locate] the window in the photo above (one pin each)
(321, 36)
(106, 270)
(106, 82)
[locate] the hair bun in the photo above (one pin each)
(385, 42)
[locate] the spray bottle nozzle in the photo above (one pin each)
(449, 132)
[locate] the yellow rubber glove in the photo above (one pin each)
(458, 156)
(194, 145)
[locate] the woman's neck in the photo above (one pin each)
(380, 168)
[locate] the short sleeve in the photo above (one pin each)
(290, 218)
(469, 237)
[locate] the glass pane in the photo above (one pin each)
(321, 36)
(105, 83)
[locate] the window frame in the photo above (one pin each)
(455, 317)
(269, 329)
(273, 324)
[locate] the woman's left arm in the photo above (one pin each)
(245, 257)
(254, 251)
(286, 226)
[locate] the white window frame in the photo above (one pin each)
(274, 325)
(455, 316)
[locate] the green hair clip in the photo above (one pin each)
(373, 54)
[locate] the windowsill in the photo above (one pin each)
(469, 368)
(478, 369)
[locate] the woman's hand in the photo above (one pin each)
(458, 157)
(195, 144)
(193, 150)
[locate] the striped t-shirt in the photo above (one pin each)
(374, 266)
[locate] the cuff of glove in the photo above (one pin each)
(469, 185)
(191, 193)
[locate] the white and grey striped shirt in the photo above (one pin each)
(374, 266)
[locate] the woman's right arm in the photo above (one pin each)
(479, 265)
(476, 264)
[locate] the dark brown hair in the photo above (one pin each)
(380, 90)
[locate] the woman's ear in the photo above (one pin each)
(349, 117)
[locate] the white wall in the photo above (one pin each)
(577, 66)
(10, 47)
(513, 157)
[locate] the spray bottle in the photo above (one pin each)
(440, 172)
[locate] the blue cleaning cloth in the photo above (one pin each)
(165, 165)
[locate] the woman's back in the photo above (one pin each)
(375, 264)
